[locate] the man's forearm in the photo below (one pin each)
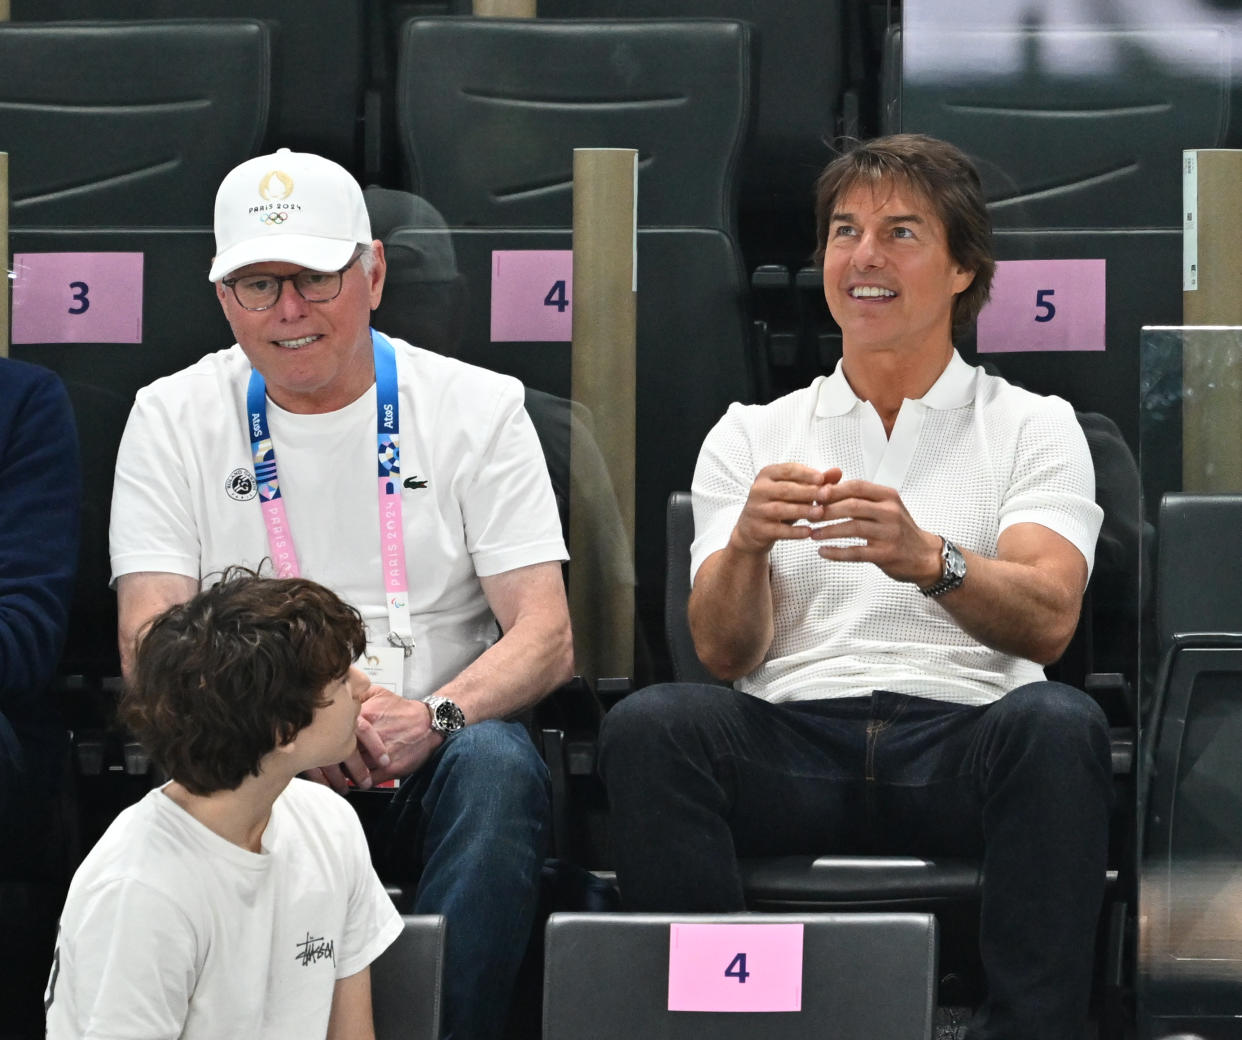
(140, 597)
(1015, 608)
(518, 670)
(730, 612)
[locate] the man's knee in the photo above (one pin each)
(1056, 715)
(651, 714)
(499, 757)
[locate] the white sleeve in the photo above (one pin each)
(1053, 480)
(152, 526)
(723, 477)
(125, 968)
(508, 507)
(371, 920)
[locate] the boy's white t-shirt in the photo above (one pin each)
(170, 930)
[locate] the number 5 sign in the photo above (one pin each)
(735, 967)
(1044, 305)
(531, 295)
(77, 298)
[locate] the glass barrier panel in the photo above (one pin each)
(1190, 775)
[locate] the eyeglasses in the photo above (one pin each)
(258, 292)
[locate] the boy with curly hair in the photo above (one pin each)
(236, 899)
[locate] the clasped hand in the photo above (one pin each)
(394, 738)
(791, 501)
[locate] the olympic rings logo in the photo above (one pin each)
(278, 217)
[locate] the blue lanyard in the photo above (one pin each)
(392, 528)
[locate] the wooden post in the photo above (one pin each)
(603, 377)
(5, 256)
(499, 8)
(1212, 361)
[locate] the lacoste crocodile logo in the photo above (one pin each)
(413, 483)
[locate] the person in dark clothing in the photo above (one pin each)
(40, 500)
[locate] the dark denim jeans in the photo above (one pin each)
(699, 775)
(472, 826)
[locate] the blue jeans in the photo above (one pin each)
(472, 826)
(698, 776)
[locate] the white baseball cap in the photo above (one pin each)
(292, 206)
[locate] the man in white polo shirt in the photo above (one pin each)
(883, 562)
(410, 484)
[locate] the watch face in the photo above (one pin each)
(955, 562)
(448, 717)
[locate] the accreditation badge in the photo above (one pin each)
(384, 666)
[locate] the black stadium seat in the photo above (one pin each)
(490, 111)
(1190, 807)
(864, 977)
(803, 104)
(1070, 128)
(319, 70)
(142, 131)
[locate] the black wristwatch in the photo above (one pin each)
(952, 571)
(446, 717)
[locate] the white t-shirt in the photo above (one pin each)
(972, 457)
(170, 930)
(476, 498)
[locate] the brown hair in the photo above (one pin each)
(224, 678)
(942, 175)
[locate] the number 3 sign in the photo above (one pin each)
(77, 298)
(1044, 305)
(735, 967)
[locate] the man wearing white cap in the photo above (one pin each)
(413, 486)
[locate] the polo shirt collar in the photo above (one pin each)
(953, 389)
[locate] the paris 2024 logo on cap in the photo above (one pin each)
(275, 187)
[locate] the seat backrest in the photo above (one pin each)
(1071, 127)
(802, 76)
(680, 536)
(863, 977)
(1190, 807)
(1199, 555)
(406, 980)
(490, 111)
(319, 65)
(142, 130)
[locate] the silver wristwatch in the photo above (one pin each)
(446, 717)
(952, 570)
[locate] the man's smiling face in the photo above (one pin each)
(889, 279)
(314, 357)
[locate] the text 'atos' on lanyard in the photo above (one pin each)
(392, 529)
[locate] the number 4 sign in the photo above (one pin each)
(1044, 305)
(735, 967)
(531, 295)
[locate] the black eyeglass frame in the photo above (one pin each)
(280, 280)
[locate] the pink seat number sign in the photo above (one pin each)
(77, 298)
(531, 295)
(1044, 305)
(735, 967)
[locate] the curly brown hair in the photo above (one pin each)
(237, 670)
(941, 174)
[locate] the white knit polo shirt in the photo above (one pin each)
(970, 458)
